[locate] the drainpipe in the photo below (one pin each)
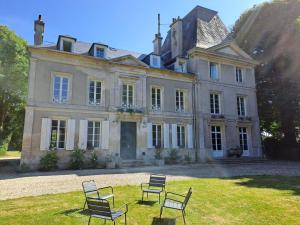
(194, 111)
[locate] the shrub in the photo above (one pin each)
(94, 159)
(49, 161)
(77, 159)
(23, 168)
(188, 158)
(158, 153)
(3, 149)
(173, 157)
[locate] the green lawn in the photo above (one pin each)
(7, 154)
(252, 200)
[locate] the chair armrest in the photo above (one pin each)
(142, 184)
(123, 206)
(172, 193)
(107, 187)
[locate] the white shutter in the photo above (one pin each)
(105, 134)
(166, 136)
(83, 134)
(70, 134)
(190, 136)
(149, 130)
(174, 136)
(45, 134)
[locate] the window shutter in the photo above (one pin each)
(166, 136)
(150, 144)
(70, 134)
(82, 134)
(174, 136)
(190, 136)
(105, 134)
(45, 134)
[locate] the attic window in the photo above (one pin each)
(99, 52)
(67, 46)
(155, 61)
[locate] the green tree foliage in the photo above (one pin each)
(14, 64)
(270, 33)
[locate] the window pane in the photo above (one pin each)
(67, 46)
(213, 71)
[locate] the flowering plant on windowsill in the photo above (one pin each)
(129, 109)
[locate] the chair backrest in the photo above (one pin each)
(187, 198)
(157, 180)
(89, 188)
(99, 207)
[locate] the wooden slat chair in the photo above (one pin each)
(156, 185)
(172, 203)
(100, 209)
(90, 190)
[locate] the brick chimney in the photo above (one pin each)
(38, 31)
(158, 39)
(176, 37)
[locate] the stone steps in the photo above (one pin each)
(134, 163)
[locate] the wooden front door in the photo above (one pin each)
(128, 140)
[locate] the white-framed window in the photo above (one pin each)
(216, 138)
(238, 74)
(60, 89)
(127, 95)
(155, 61)
(215, 103)
(95, 88)
(243, 138)
(180, 66)
(156, 98)
(100, 52)
(156, 135)
(213, 71)
(93, 134)
(58, 134)
(241, 109)
(179, 98)
(67, 45)
(181, 136)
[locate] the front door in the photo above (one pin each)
(216, 138)
(128, 140)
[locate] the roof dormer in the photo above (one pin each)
(180, 65)
(66, 43)
(155, 61)
(98, 50)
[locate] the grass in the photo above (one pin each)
(249, 200)
(6, 154)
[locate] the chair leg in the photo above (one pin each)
(147, 195)
(125, 219)
(161, 211)
(90, 220)
(114, 201)
(142, 197)
(114, 222)
(159, 198)
(183, 215)
(84, 205)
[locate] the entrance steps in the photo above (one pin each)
(134, 163)
(242, 160)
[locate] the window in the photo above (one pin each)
(179, 101)
(93, 135)
(180, 136)
(216, 138)
(60, 89)
(243, 138)
(127, 95)
(156, 98)
(58, 134)
(67, 46)
(241, 106)
(213, 69)
(155, 61)
(180, 66)
(99, 52)
(214, 103)
(156, 135)
(95, 92)
(238, 75)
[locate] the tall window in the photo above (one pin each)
(216, 138)
(93, 140)
(238, 75)
(95, 92)
(60, 89)
(99, 52)
(156, 98)
(127, 95)
(243, 138)
(179, 101)
(67, 46)
(180, 136)
(156, 135)
(241, 106)
(213, 69)
(214, 103)
(58, 134)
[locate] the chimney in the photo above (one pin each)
(38, 31)
(158, 39)
(176, 37)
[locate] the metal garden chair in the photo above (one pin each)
(156, 185)
(172, 203)
(101, 209)
(90, 190)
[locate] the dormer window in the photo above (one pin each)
(67, 46)
(66, 43)
(180, 66)
(155, 61)
(100, 52)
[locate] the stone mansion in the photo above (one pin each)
(195, 93)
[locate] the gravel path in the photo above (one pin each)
(15, 185)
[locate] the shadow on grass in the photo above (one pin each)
(282, 183)
(146, 202)
(163, 221)
(71, 212)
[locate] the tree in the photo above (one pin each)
(14, 64)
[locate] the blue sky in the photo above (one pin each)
(129, 24)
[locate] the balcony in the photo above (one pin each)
(129, 109)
